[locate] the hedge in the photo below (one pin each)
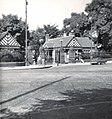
(8, 56)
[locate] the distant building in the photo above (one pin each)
(9, 48)
(64, 49)
(7, 41)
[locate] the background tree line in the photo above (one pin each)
(97, 17)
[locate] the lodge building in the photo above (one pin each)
(64, 49)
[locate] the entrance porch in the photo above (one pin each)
(62, 55)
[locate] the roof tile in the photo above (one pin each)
(56, 42)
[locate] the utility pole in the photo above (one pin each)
(26, 45)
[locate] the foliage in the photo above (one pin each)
(15, 26)
(8, 56)
(85, 55)
(76, 25)
(40, 34)
(38, 37)
(34, 42)
(100, 12)
(17, 56)
(51, 30)
(98, 17)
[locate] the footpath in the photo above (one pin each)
(26, 67)
(44, 66)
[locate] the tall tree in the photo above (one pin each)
(51, 30)
(76, 25)
(100, 14)
(38, 37)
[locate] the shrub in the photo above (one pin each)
(102, 54)
(85, 55)
(8, 56)
(106, 55)
(17, 56)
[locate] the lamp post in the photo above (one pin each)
(26, 45)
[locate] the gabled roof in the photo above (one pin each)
(56, 42)
(84, 41)
(8, 41)
(68, 41)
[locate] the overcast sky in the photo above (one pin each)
(43, 11)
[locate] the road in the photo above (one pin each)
(62, 90)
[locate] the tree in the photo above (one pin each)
(100, 14)
(15, 26)
(38, 37)
(51, 30)
(76, 25)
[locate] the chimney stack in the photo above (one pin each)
(47, 37)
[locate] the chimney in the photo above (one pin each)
(47, 37)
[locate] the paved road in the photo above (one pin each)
(45, 89)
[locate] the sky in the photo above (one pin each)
(43, 12)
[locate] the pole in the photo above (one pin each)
(26, 47)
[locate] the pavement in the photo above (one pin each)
(44, 66)
(26, 67)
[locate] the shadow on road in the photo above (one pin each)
(31, 91)
(86, 104)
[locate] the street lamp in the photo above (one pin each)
(26, 45)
